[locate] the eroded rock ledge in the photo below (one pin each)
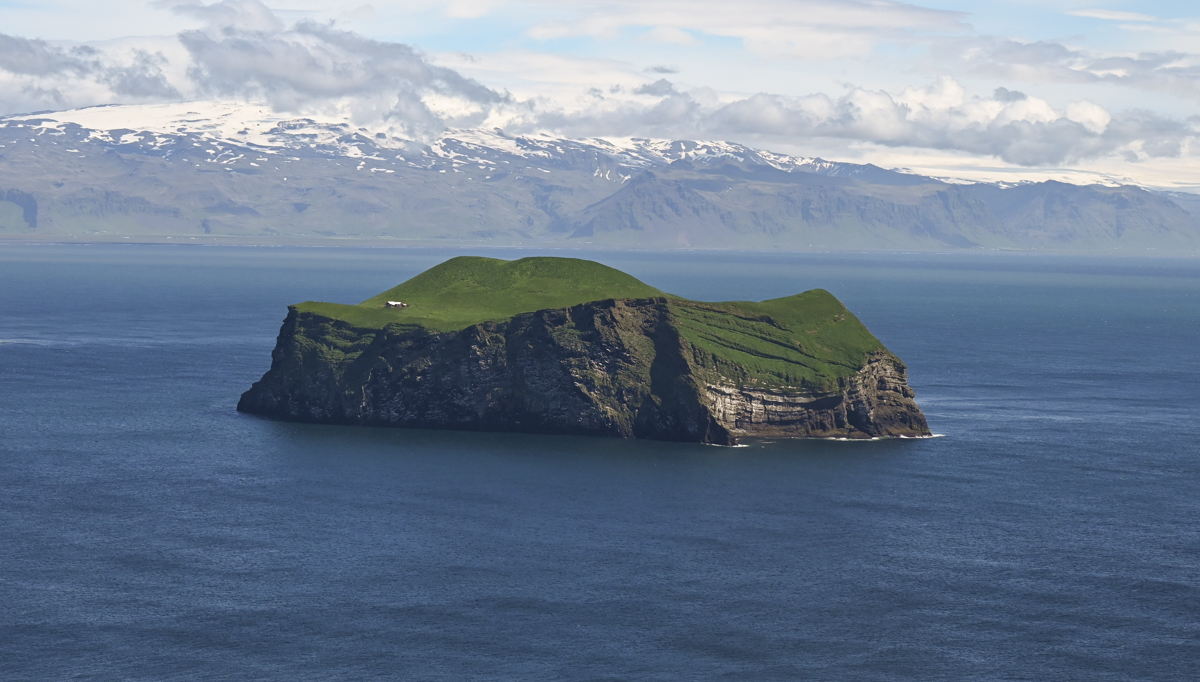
(875, 402)
(609, 368)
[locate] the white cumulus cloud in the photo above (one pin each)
(244, 51)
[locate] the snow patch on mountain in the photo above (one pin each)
(259, 129)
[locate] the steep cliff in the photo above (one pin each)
(654, 367)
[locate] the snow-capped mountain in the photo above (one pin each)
(230, 133)
(214, 171)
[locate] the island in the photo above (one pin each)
(571, 346)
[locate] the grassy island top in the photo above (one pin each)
(468, 290)
(803, 338)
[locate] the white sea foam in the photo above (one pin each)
(857, 440)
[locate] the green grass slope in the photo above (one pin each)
(809, 339)
(468, 290)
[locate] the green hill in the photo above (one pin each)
(468, 290)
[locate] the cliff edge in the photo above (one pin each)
(651, 366)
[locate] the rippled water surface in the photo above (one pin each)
(149, 532)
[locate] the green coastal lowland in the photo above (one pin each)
(573, 346)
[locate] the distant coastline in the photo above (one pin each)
(581, 249)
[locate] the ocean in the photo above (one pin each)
(148, 531)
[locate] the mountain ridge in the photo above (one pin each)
(239, 172)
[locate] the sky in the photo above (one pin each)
(1080, 90)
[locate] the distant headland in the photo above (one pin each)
(569, 346)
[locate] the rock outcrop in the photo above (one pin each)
(625, 368)
(874, 402)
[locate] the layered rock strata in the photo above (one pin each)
(608, 368)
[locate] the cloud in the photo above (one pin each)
(669, 35)
(38, 58)
(1174, 72)
(1021, 130)
(1025, 131)
(41, 74)
(1006, 95)
(141, 79)
(853, 31)
(361, 13)
(815, 29)
(1110, 15)
(245, 52)
(317, 67)
(243, 15)
(659, 88)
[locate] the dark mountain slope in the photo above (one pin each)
(744, 209)
(1056, 215)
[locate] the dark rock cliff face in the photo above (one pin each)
(609, 368)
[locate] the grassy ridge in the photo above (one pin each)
(807, 339)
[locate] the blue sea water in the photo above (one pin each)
(150, 532)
